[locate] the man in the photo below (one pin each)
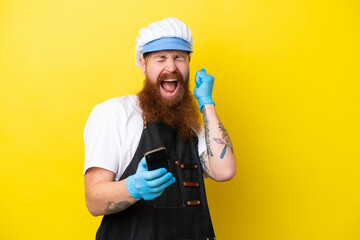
(142, 204)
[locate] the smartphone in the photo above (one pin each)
(157, 158)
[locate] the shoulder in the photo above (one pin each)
(115, 111)
(116, 104)
(119, 107)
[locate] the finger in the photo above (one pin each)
(198, 78)
(163, 186)
(168, 183)
(152, 195)
(195, 91)
(154, 174)
(159, 181)
(207, 78)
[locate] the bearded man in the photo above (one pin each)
(138, 203)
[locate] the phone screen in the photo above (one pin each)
(157, 158)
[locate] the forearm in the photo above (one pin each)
(108, 197)
(218, 161)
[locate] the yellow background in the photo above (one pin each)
(286, 88)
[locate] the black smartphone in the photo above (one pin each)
(157, 158)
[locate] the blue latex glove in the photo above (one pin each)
(204, 86)
(148, 184)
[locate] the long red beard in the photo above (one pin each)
(180, 113)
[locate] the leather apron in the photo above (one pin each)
(181, 212)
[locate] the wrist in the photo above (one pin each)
(130, 186)
(205, 101)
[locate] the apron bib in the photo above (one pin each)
(181, 212)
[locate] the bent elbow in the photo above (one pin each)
(94, 213)
(226, 175)
(230, 175)
(92, 210)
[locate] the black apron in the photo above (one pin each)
(181, 212)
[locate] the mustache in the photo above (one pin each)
(174, 75)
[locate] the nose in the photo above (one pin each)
(170, 65)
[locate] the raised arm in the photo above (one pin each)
(218, 161)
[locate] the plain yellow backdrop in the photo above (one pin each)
(286, 88)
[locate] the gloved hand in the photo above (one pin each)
(148, 184)
(204, 86)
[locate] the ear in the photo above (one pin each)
(189, 57)
(142, 64)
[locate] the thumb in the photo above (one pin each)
(199, 75)
(142, 166)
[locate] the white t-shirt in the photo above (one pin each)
(112, 134)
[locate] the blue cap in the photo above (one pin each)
(167, 43)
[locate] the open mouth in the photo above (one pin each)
(169, 87)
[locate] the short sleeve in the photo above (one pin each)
(201, 141)
(102, 140)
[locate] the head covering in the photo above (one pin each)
(167, 34)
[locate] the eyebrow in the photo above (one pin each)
(175, 55)
(160, 56)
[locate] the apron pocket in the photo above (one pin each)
(173, 196)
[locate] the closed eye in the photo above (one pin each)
(160, 59)
(180, 58)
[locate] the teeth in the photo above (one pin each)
(170, 80)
